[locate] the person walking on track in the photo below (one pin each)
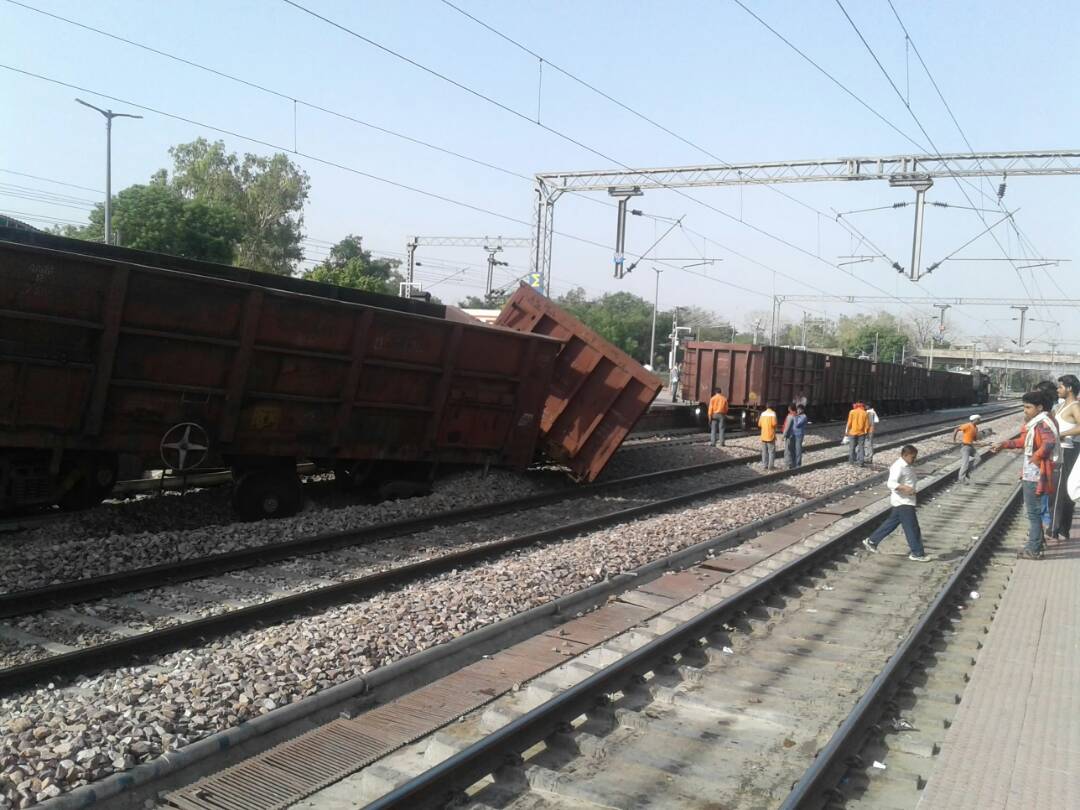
(1039, 441)
(873, 419)
(902, 484)
(969, 432)
(718, 408)
(767, 423)
(858, 426)
(1068, 422)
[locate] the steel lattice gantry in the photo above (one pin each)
(491, 244)
(918, 171)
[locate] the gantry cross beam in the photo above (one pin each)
(915, 171)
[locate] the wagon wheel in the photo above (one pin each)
(184, 446)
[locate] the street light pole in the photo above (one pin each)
(109, 116)
(656, 302)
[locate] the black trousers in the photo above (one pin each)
(1063, 504)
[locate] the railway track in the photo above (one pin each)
(62, 594)
(812, 682)
(131, 647)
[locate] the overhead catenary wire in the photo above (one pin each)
(568, 138)
(846, 226)
(354, 119)
(295, 100)
(1021, 236)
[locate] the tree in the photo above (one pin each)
(267, 192)
(622, 318)
(349, 265)
(154, 217)
(859, 333)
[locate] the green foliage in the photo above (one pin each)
(622, 318)
(154, 217)
(267, 193)
(858, 334)
(349, 265)
(476, 302)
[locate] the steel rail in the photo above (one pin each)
(63, 594)
(448, 780)
(129, 650)
(831, 759)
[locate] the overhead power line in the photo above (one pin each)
(928, 137)
(568, 138)
(1021, 236)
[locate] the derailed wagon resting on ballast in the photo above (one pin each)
(181, 364)
(598, 391)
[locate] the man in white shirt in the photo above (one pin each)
(868, 450)
(902, 483)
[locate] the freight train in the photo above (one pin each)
(754, 376)
(111, 355)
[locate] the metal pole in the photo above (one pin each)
(1023, 321)
(916, 240)
(109, 116)
(652, 335)
(410, 250)
(108, 179)
(931, 363)
(877, 336)
(805, 315)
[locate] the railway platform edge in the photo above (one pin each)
(1015, 739)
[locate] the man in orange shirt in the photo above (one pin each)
(767, 423)
(858, 427)
(718, 408)
(969, 432)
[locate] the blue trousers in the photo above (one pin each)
(901, 516)
(798, 450)
(716, 426)
(857, 450)
(1033, 505)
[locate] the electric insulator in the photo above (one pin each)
(1001, 191)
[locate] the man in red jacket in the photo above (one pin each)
(1039, 441)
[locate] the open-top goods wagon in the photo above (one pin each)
(750, 376)
(753, 376)
(108, 352)
(598, 392)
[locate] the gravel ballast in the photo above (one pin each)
(57, 739)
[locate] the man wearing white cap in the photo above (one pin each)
(969, 432)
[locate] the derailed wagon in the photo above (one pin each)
(598, 392)
(107, 352)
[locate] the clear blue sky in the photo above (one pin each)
(705, 70)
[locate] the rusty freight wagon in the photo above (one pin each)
(598, 392)
(180, 364)
(751, 376)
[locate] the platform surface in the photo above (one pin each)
(1015, 740)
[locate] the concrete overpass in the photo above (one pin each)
(1056, 362)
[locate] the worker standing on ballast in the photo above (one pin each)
(969, 433)
(767, 423)
(872, 421)
(718, 408)
(858, 427)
